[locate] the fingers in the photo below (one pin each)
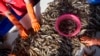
(87, 44)
(36, 26)
(23, 34)
(11, 55)
(24, 37)
(83, 38)
(37, 29)
(87, 41)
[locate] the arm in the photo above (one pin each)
(88, 41)
(8, 14)
(22, 31)
(13, 19)
(30, 10)
(31, 13)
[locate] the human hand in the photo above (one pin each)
(88, 41)
(23, 33)
(11, 55)
(35, 26)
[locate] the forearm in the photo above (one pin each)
(13, 19)
(34, 21)
(30, 10)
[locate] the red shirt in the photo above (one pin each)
(17, 5)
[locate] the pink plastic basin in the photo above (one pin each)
(68, 17)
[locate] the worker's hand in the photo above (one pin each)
(35, 26)
(23, 33)
(88, 41)
(11, 55)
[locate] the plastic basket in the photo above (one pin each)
(68, 17)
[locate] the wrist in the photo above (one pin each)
(34, 20)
